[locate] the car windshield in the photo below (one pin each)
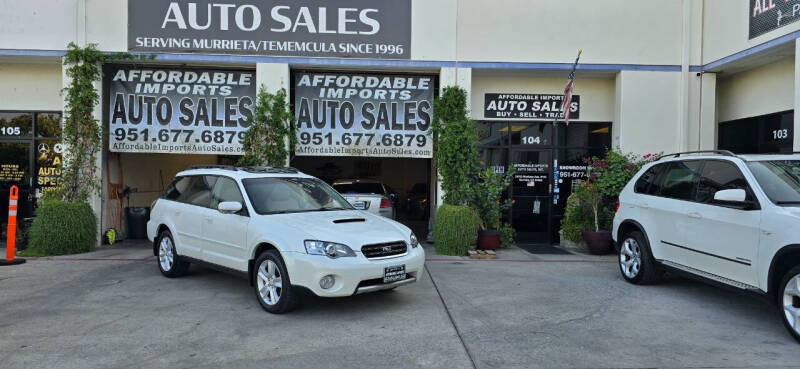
(275, 195)
(358, 187)
(780, 180)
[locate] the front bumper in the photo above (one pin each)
(306, 270)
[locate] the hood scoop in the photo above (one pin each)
(349, 220)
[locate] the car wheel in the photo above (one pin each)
(169, 262)
(272, 285)
(635, 261)
(789, 301)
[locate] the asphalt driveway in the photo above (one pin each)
(112, 308)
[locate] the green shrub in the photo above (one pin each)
(62, 228)
(577, 217)
(507, 233)
(455, 230)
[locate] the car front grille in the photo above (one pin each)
(382, 250)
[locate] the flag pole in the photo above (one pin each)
(568, 89)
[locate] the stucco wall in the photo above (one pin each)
(37, 24)
(597, 92)
(107, 24)
(762, 90)
(30, 86)
(647, 111)
(608, 31)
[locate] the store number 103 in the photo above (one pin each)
(780, 134)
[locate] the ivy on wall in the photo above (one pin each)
(81, 132)
(271, 126)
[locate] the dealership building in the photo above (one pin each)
(654, 76)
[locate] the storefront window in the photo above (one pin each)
(492, 134)
(16, 125)
(773, 133)
(48, 164)
(48, 125)
(581, 134)
(30, 155)
(539, 134)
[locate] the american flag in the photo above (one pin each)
(568, 90)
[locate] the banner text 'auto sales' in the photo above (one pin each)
(344, 28)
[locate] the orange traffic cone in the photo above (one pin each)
(11, 238)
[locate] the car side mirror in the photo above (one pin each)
(737, 195)
(229, 207)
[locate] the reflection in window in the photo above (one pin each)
(679, 180)
(492, 134)
(580, 134)
(16, 124)
(532, 134)
(494, 158)
(48, 125)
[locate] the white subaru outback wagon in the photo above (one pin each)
(730, 219)
(282, 230)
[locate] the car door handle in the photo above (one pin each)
(209, 220)
(695, 215)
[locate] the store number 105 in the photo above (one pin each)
(10, 131)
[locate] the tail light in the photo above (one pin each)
(153, 205)
(385, 203)
(616, 208)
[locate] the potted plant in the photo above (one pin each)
(486, 199)
(598, 240)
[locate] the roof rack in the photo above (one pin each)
(250, 169)
(678, 154)
(212, 166)
(271, 170)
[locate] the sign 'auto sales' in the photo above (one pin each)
(345, 28)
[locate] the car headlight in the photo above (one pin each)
(329, 249)
(414, 241)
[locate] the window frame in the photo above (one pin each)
(756, 205)
(244, 212)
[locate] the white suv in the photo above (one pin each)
(282, 230)
(726, 218)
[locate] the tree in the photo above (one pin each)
(455, 137)
(272, 123)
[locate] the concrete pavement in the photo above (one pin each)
(112, 308)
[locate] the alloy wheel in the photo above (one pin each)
(630, 257)
(166, 254)
(270, 284)
(791, 303)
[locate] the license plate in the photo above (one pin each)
(360, 205)
(394, 273)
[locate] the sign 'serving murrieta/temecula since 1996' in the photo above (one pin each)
(346, 28)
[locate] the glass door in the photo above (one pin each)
(531, 194)
(15, 169)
